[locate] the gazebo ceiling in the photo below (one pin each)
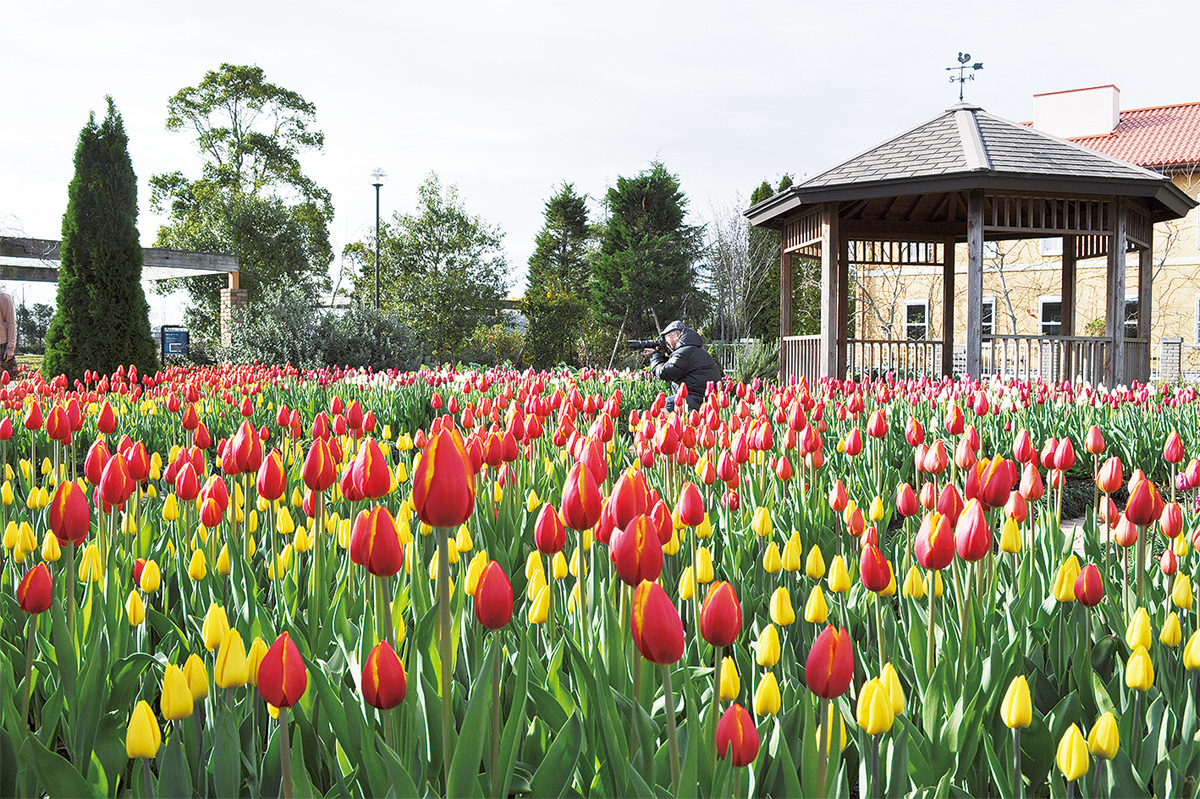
(920, 178)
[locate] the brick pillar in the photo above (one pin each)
(230, 299)
(1170, 360)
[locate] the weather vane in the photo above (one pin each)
(963, 76)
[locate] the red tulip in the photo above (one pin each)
(838, 500)
(1168, 562)
(954, 420)
(493, 597)
(70, 515)
(853, 442)
(190, 419)
(1125, 533)
(1089, 588)
(58, 426)
(737, 738)
(630, 497)
(874, 569)
(106, 420)
(1031, 487)
(370, 472)
(444, 484)
(187, 483)
(877, 426)
(1144, 505)
(1022, 447)
(580, 506)
(721, 615)
(1015, 508)
(964, 454)
(319, 471)
(1170, 521)
(829, 669)
(115, 484)
(906, 500)
(282, 677)
(33, 416)
(272, 479)
(655, 626)
(637, 552)
(1046, 457)
(96, 460)
(934, 545)
(1094, 443)
(690, 505)
(936, 459)
(35, 590)
(1064, 455)
(375, 542)
(246, 448)
(383, 680)
(1110, 476)
(1173, 448)
(548, 533)
(950, 503)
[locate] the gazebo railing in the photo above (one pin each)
(799, 356)
(1053, 358)
(901, 357)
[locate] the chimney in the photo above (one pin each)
(1078, 112)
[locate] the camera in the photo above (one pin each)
(660, 344)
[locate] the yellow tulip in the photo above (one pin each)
(51, 551)
(1138, 632)
(767, 699)
(258, 648)
(497, 494)
(875, 714)
(230, 669)
(938, 586)
(1010, 537)
(815, 609)
(914, 588)
(814, 565)
(1171, 634)
(839, 576)
(1181, 591)
(704, 566)
(144, 736)
(767, 649)
(6, 493)
(532, 501)
(875, 512)
(473, 571)
(1182, 547)
(731, 684)
(834, 714)
(90, 567)
(533, 565)
(539, 609)
(252, 523)
(11, 533)
(198, 567)
(135, 609)
(890, 681)
(1064, 580)
(176, 701)
(1139, 670)
(1191, 653)
(559, 566)
(705, 528)
(223, 561)
(782, 612)
(575, 562)
(687, 585)
(283, 522)
(197, 676)
(1105, 739)
(1017, 708)
(1072, 757)
(772, 562)
(301, 540)
(463, 542)
(761, 522)
(216, 624)
(535, 585)
(793, 553)
(151, 577)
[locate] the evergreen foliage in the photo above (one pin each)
(102, 320)
(252, 197)
(646, 272)
(555, 301)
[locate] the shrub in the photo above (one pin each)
(494, 344)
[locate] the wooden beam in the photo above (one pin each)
(1068, 285)
(975, 283)
(899, 231)
(49, 250)
(948, 307)
(29, 274)
(785, 294)
(843, 326)
(1114, 326)
(830, 290)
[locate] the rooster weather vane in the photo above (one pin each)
(963, 76)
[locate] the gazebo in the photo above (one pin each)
(967, 176)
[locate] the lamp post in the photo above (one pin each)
(378, 178)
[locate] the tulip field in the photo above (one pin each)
(259, 582)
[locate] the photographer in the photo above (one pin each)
(688, 363)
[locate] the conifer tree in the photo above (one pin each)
(555, 301)
(102, 320)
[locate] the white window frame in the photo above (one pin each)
(1052, 246)
(992, 302)
(991, 250)
(923, 304)
(1125, 314)
(1043, 301)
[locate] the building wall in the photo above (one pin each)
(1020, 276)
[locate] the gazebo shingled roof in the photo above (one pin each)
(956, 178)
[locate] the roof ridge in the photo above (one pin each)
(1074, 145)
(876, 146)
(971, 139)
(1158, 107)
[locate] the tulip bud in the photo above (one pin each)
(1138, 632)
(890, 681)
(1064, 580)
(721, 615)
(254, 658)
(216, 624)
(151, 577)
(731, 685)
(1072, 757)
(1181, 592)
(1089, 589)
(384, 683)
(1017, 708)
(282, 676)
(781, 610)
(144, 737)
(767, 699)
(231, 669)
(875, 714)
(176, 701)
(1104, 740)
(655, 626)
(767, 648)
(1139, 670)
(1171, 633)
(493, 597)
(737, 737)
(1191, 653)
(814, 564)
(839, 577)
(829, 668)
(914, 587)
(135, 609)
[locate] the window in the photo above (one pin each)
(1050, 315)
(989, 316)
(1131, 317)
(916, 319)
(1052, 246)
(991, 249)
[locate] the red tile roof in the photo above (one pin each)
(1162, 138)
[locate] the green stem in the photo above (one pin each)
(148, 784)
(1018, 785)
(285, 754)
(672, 738)
(1096, 783)
(1141, 564)
(931, 648)
(877, 783)
(824, 727)
(496, 719)
(879, 629)
(443, 586)
(29, 646)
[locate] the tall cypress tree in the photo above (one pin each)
(555, 301)
(102, 320)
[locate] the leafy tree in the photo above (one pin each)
(252, 197)
(646, 272)
(32, 324)
(555, 301)
(806, 281)
(103, 320)
(441, 269)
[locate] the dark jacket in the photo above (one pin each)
(689, 364)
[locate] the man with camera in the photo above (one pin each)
(680, 358)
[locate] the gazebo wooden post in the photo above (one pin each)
(786, 369)
(1114, 326)
(948, 306)
(1067, 366)
(831, 291)
(843, 326)
(975, 283)
(1145, 303)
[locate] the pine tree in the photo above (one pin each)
(555, 301)
(102, 320)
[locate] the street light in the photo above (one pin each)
(378, 178)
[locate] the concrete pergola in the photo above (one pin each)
(37, 260)
(967, 176)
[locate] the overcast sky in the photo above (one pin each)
(509, 99)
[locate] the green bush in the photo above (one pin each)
(494, 344)
(761, 361)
